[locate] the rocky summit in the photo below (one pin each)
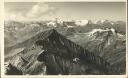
(50, 53)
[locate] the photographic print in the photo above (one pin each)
(65, 38)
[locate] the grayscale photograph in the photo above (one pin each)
(65, 38)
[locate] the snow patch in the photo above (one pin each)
(81, 22)
(50, 24)
(102, 30)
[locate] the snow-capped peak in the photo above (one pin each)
(103, 21)
(81, 22)
(102, 30)
(96, 30)
(50, 24)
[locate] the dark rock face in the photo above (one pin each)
(51, 53)
(12, 70)
(65, 66)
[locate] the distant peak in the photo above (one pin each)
(99, 31)
(53, 30)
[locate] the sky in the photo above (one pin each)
(24, 11)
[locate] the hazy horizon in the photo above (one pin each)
(113, 11)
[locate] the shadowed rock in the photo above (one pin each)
(58, 55)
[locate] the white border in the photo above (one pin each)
(1, 34)
(53, 76)
(126, 40)
(65, 0)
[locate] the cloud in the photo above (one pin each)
(38, 11)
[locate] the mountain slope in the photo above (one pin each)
(51, 53)
(106, 43)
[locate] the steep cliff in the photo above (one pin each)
(51, 53)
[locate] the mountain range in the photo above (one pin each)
(34, 48)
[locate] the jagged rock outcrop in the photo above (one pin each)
(51, 53)
(12, 70)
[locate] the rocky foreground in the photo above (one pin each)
(50, 53)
